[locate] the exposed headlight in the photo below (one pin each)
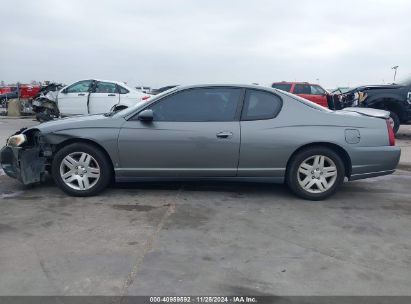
(16, 140)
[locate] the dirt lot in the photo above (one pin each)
(206, 238)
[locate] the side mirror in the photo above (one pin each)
(146, 115)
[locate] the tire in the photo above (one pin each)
(396, 122)
(86, 169)
(318, 186)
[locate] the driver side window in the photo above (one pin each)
(199, 105)
(79, 87)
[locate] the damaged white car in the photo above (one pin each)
(94, 96)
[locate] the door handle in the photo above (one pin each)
(224, 135)
(81, 94)
(111, 94)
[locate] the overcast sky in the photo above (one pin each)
(341, 43)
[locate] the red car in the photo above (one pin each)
(4, 90)
(29, 91)
(26, 90)
(312, 92)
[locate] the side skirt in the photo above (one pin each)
(274, 180)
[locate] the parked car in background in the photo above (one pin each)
(6, 94)
(29, 91)
(312, 92)
(94, 96)
(395, 98)
(8, 89)
(25, 91)
(193, 133)
(162, 89)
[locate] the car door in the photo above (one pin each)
(194, 133)
(72, 100)
(260, 153)
(303, 90)
(103, 97)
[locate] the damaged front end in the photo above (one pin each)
(353, 98)
(25, 157)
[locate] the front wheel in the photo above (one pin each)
(81, 169)
(315, 173)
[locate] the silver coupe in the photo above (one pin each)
(204, 132)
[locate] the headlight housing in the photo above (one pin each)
(16, 140)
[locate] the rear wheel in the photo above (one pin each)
(81, 170)
(315, 173)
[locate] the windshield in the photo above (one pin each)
(142, 103)
(306, 102)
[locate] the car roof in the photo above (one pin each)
(245, 86)
(294, 82)
(123, 84)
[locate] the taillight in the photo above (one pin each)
(391, 135)
(145, 97)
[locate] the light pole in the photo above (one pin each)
(395, 71)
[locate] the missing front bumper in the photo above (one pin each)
(23, 164)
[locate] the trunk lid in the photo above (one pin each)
(370, 112)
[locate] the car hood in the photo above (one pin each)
(79, 122)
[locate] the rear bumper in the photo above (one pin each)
(370, 174)
(374, 161)
(25, 165)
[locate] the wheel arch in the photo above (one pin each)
(69, 141)
(336, 148)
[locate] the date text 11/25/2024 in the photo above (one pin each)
(203, 299)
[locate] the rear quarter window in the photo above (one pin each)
(307, 102)
(260, 105)
(122, 90)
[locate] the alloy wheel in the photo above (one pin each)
(317, 174)
(80, 171)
